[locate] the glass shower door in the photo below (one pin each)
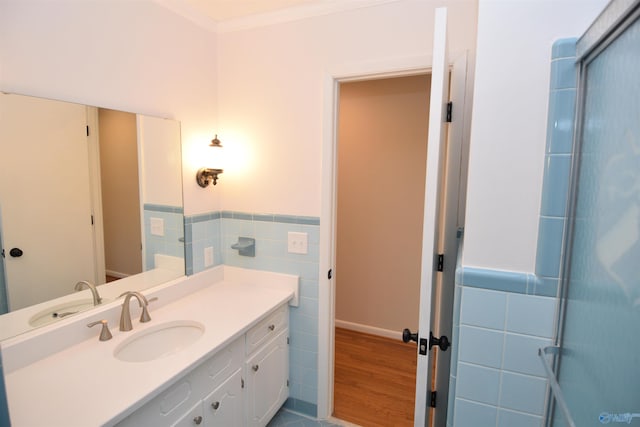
(598, 368)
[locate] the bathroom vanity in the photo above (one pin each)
(215, 353)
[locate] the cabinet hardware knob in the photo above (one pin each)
(255, 368)
(215, 405)
(197, 420)
(272, 327)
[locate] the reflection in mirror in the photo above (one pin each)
(87, 194)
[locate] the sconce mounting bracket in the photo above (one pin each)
(206, 176)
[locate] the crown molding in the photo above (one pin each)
(294, 13)
(184, 9)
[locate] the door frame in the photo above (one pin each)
(396, 67)
(95, 182)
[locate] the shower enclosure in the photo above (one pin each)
(596, 360)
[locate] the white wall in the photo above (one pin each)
(271, 83)
(508, 130)
(138, 56)
(127, 55)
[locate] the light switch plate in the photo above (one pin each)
(297, 243)
(157, 226)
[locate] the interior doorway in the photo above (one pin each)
(381, 166)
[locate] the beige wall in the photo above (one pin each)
(382, 148)
(120, 192)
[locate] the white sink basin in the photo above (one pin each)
(159, 341)
(62, 311)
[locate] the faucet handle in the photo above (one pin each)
(105, 333)
(144, 316)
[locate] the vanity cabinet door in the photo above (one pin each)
(223, 407)
(195, 417)
(267, 374)
(179, 398)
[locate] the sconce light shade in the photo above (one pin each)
(206, 176)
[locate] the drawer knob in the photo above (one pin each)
(197, 420)
(215, 405)
(255, 368)
(272, 327)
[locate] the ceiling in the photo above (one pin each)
(230, 15)
(222, 10)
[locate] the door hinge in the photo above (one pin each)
(91, 219)
(87, 130)
(241, 382)
(3, 256)
(288, 340)
(440, 263)
(432, 399)
(330, 274)
(287, 383)
(449, 111)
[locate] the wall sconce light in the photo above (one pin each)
(206, 176)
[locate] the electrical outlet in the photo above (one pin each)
(208, 256)
(157, 226)
(297, 243)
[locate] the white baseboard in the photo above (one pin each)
(116, 274)
(372, 330)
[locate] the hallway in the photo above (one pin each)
(374, 380)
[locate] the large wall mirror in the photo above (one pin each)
(88, 196)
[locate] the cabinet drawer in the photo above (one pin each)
(267, 328)
(192, 418)
(171, 404)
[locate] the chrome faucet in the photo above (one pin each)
(97, 300)
(125, 316)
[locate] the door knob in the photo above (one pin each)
(442, 342)
(16, 252)
(408, 336)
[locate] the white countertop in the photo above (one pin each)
(85, 385)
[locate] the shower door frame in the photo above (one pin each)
(611, 23)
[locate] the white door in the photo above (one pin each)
(44, 198)
(444, 191)
(432, 233)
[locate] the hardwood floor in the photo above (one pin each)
(374, 380)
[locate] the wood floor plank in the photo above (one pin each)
(374, 380)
